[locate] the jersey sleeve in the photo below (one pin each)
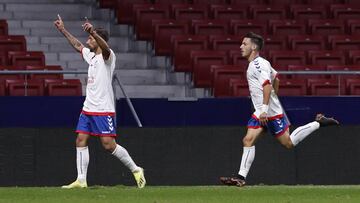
(274, 74)
(112, 58)
(86, 54)
(264, 74)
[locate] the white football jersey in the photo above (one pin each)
(99, 91)
(260, 73)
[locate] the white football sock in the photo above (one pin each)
(303, 131)
(82, 162)
(122, 154)
(246, 160)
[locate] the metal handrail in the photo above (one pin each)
(116, 78)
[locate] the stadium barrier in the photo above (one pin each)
(179, 156)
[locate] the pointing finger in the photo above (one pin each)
(59, 17)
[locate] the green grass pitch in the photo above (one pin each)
(182, 194)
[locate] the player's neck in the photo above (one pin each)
(253, 55)
(98, 51)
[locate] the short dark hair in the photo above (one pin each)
(102, 33)
(256, 39)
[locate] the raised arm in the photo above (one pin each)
(100, 41)
(59, 24)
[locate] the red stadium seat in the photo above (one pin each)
(285, 2)
(163, 30)
(225, 42)
(228, 12)
(323, 2)
(307, 68)
(292, 87)
(108, 4)
(274, 43)
(306, 42)
(286, 27)
(169, 2)
(266, 12)
(285, 58)
(13, 67)
(354, 57)
(190, 12)
(18, 58)
(67, 87)
(12, 43)
(3, 58)
(208, 2)
(305, 12)
(182, 45)
(344, 68)
(343, 11)
(2, 89)
(239, 87)
(3, 27)
(241, 27)
(325, 87)
(247, 2)
(352, 2)
(125, 13)
(210, 27)
(326, 27)
(201, 63)
(4, 77)
(221, 75)
(45, 76)
(353, 26)
(22, 88)
(344, 42)
(326, 57)
(353, 86)
(143, 18)
(236, 58)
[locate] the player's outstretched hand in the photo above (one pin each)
(87, 26)
(59, 24)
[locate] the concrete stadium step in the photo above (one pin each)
(72, 60)
(50, 11)
(6, 15)
(141, 76)
(133, 76)
(152, 91)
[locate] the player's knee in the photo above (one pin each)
(80, 142)
(288, 145)
(248, 141)
(109, 146)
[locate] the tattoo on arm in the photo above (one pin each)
(73, 41)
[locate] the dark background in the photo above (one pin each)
(179, 156)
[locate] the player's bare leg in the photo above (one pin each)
(248, 156)
(122, 154)
(82, 162)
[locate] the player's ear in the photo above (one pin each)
(253, 47)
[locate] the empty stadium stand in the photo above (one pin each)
(158, 41)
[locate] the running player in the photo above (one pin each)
(269, 115)
(97, 116)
